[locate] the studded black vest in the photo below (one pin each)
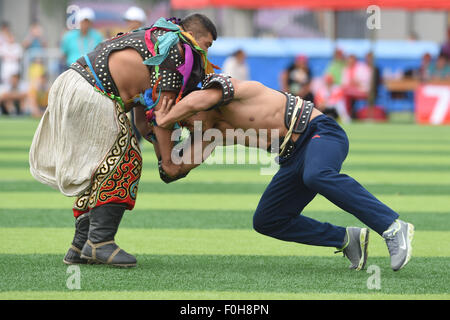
(170, 79)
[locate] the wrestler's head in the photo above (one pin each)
(201, 28)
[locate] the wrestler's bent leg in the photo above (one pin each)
(100, 246)
(323, 160)
(73, 255)
(278, 212)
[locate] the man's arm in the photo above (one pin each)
(176, 163)
(141, 123)
(140, 120)
(196, 101)
(148, 131)
(191, 154)
(164, 146)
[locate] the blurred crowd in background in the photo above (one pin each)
(347, 80)
(25, 83)
(22, 91)
(25, 92)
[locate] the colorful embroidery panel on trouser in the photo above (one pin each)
(116, 179)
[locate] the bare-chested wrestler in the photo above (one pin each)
(312, 150)
(84, 145)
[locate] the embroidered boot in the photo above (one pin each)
(81, 234)
(100, 246)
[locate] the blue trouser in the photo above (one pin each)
(314, 168)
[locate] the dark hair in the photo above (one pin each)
(4, 24)
(237, 52)
(442, 56)
(199, 24)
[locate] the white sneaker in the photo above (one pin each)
(355, 248)
(398, 239)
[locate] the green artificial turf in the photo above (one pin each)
(194, 239)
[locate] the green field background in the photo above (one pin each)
(194, 239)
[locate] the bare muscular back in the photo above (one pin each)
(256, 106)
(256, 111)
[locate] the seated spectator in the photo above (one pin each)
(336, 66)
(4, 31)
(445, 49)
(39, 96)
(371, 111)
(13, 96)
(236, 66)
(296, 79)
(10, 54)
(329, 98)
(422, 74)
(440, 70)
(356, 78)
(35, 39)
(35, 70)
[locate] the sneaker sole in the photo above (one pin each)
(409, 238)
(364, 243)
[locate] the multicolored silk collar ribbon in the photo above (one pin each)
(160, 50)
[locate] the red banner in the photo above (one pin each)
(432, 104)
(314, 4)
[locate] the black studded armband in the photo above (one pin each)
(222, 82)
(165, 177)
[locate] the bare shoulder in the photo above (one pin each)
(128, 83)
(247, 89)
